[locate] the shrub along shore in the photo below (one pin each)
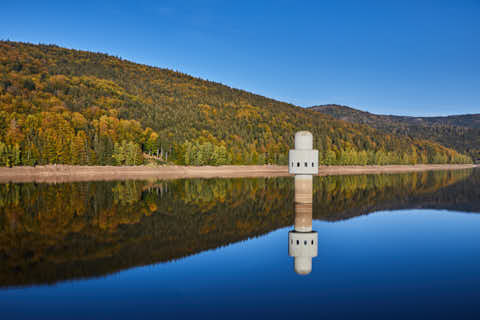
(66, 173)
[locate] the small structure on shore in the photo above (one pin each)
(303, 241)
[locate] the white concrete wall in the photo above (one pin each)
(303, 161)
(303, 244)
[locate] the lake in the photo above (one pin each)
(381, 246)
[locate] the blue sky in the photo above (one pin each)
(395, 57)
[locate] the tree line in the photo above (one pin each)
(461, 132)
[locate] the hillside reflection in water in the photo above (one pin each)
(50, 233)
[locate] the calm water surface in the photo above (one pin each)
(389, 246)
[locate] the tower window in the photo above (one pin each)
(313, 164)
(312, 241)
(305, 242)
(298, 242)
(306, 164)
(292, 164)
(298, 164)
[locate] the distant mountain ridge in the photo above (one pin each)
(461, 120)
(460, 132)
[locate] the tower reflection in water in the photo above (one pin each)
(303, 241)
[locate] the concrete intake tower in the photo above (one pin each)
(303, 241)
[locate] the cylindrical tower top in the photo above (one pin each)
(303, 140)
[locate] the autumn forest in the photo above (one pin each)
(62, 106)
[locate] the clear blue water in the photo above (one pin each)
(411, 263)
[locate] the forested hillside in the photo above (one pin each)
(459, 132)
(75, 107)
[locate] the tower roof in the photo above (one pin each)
(303, 140)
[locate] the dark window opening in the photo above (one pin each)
(305, 242)
(298, 242)
(313, 164)
(306, 164)
(298, 164)
(312, 241)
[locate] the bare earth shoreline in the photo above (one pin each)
(64, 173)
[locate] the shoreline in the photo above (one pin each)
(66, 173)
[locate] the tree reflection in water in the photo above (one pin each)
(56, 232)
